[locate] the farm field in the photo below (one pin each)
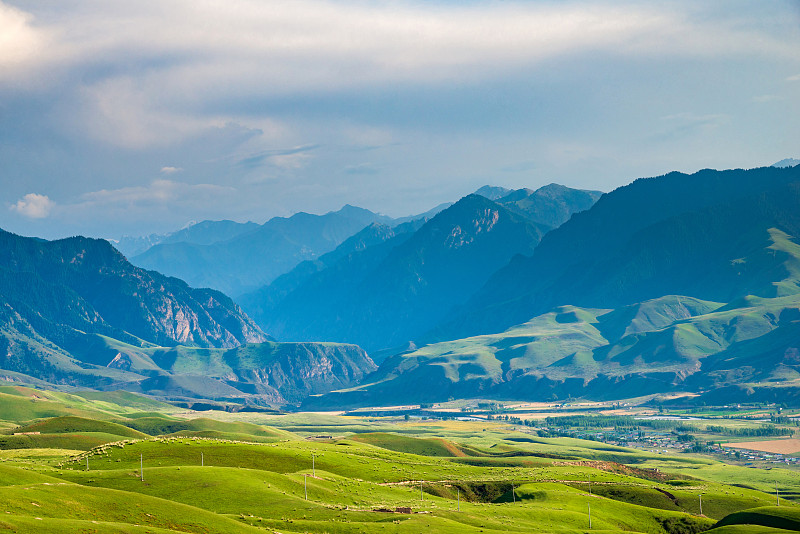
(323, 473)
(777, 446)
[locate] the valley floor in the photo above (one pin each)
(117, 469)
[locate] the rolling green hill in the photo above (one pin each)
(356, 485)
(371, 476)
(672, 343)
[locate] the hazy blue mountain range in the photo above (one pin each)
(608, 321)
(330, 278)
(255, 258)
(202, 233)
(405, 282)
(75, 311)
(788, 162)
(492, 192)
(675, 283)
(397, 285)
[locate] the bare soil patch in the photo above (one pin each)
(776, 446)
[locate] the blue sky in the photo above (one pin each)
(136, 117)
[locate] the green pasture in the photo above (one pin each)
(323, 473)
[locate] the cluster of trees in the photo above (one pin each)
(763, 431)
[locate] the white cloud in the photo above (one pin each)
(209, 47)
(170, 170)
(763, 99)
(20, 43)
(164, 192)
(34, 206)
(795, 78)
(149, 70)
(696, 120)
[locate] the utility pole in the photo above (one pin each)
(590, 514)
(202, 460)
(701, 504)
(777, 496)
(421, 497)
(305, 484)
(313, 467)
(141, 468)
(87, 465)
(513, 495)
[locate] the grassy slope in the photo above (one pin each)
(673, 334)
(281, 498)
(55, 501)
(20, 404)
(354, 476)
(767, 516)
(72, 424)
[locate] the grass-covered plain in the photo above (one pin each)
(322, 473)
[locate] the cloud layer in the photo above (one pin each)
(305, 104)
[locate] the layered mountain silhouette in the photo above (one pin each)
(675, 234)
(676, 283)
(683, 282)
(253, 256)
(386, 286)
(396, 289)
(202, 233)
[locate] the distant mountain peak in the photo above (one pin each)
(788, 162)
(349, 208)
(492, 192)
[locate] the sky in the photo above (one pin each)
(129, 118)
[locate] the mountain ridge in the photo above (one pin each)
(250, 260)
(586, 255)
(385, 298)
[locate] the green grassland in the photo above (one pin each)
(653, 345)
(20, 404)
(323, 473)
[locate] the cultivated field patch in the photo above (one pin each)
(775, 446)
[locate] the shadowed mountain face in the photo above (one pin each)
(704, 235)
(402, 283)
(551, 205)
(254, 258)
(329, 279)
(85, 284)
(729, 244)
(74, 311)
(269, 373)
(385, 286)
